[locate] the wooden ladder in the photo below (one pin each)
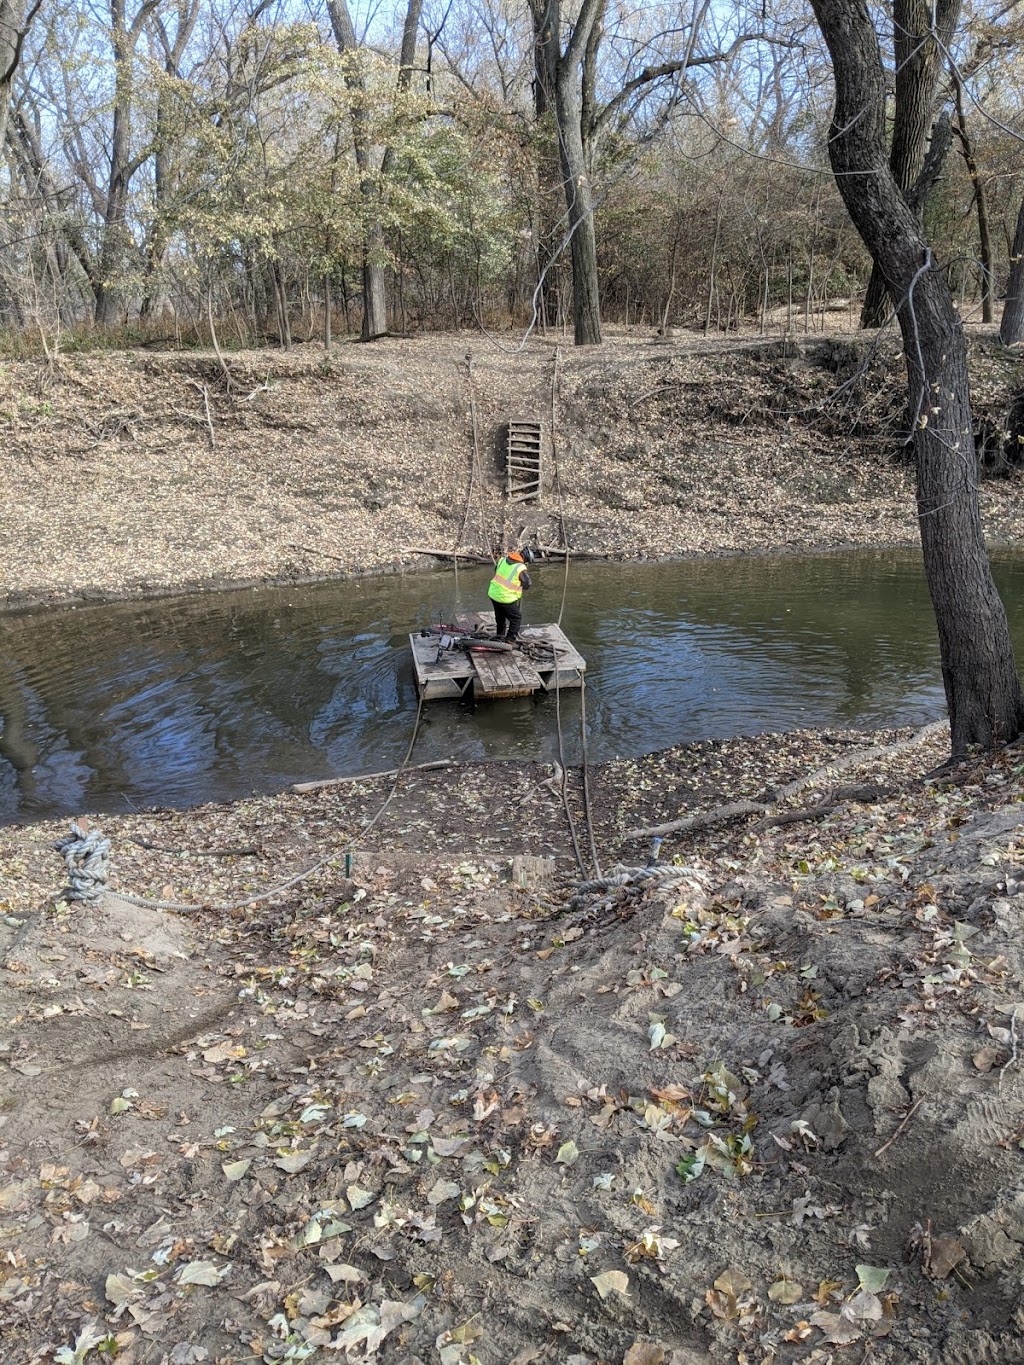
(524, 461)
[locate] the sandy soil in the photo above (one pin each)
(482, 1088)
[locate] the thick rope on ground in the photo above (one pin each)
(636, 877)
(86, 855)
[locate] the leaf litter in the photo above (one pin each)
(309, 1158)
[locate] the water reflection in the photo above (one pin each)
(185, 700)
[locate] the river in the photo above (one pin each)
(211, 698)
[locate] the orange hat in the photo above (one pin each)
(515, 556)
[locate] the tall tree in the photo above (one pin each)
(922, 33)
(983, 692)
(15, 18)
(125, 32)
(375, 310)
(1011, 327)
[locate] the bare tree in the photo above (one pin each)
(375, 312)
(922, 33)
(15, 18)
(982, 688)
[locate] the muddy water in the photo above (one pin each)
(212, 698)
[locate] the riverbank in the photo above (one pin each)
(146, 474)
(444, 1105)
(458, 1097)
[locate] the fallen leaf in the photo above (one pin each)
(644, 1353)
(872, 1277)
(945, 1253)
(568, 1154)
(294, 1161)
(201, 1272)
(358, 1198)
(610, 1282)
(785, 1291)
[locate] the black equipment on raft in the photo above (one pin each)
(472, 641)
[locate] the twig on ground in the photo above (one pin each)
(311, 550)
(1014, 1045)
(909, 1115)
(198, 852)
(366, 777)
(206, 404)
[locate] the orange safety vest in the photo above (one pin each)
(505, 585)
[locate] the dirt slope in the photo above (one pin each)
(140, 473)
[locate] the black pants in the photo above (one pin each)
(510, 614)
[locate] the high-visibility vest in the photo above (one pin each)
(505, 585)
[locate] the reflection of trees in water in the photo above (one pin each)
(17, 747)
(144, 695)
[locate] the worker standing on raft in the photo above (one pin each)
(506, 590)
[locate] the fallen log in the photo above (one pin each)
(571, 554)
(470, 556)
(735, 810)
(367, 777)
(721, 815)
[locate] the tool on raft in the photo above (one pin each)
(472, 641)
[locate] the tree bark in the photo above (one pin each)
(1011, 328)
(980, 200)
(922, 32)
(579, 200)
(15, 19)
(983, 693)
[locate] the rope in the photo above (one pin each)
(86, 856)
(89, 877)
(587, 808)
(631, 876)
(563, 785)
(558, 481)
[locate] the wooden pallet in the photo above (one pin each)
(524, 463)
(513, 674)
(504, 675)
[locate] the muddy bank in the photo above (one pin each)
(445, 1108)
(136, 475)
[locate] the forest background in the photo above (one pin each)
(181, 171)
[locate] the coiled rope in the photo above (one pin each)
(86, 856)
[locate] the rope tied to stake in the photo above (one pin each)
(86, 855)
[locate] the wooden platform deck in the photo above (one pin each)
(550, 661)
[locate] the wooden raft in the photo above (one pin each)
(513, 674)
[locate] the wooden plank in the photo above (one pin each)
(504, 675)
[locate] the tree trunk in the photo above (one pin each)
(576, 180)
(546, 55)
(14, 22)
(375, 311)
(918, 61)
(983, 693)
(980, 200)
(1011, 329)
(374, 294)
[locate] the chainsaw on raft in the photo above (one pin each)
(451, 637)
